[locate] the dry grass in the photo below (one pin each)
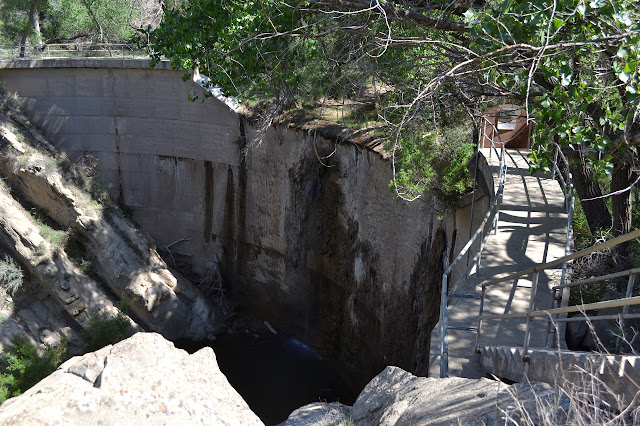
(582, 398)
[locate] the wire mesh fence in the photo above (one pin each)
(72, 50)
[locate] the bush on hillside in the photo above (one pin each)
(103, 329)
(11, 276)
(24, 367)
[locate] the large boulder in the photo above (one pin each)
(396, 397)
(141, 380)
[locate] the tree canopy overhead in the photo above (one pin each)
(58, 21)
(572, 64)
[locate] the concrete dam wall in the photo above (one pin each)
(320, 249)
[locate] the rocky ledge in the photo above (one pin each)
(34, 174)
(146, 380)
(396, 397)
(141, 380)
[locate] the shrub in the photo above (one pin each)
(25, 367)
(58, 238)
(435, 165)
(11, 276)
(103, 330)
(4, 186)
(78, 253)
(9, 101)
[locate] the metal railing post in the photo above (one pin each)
(478, 329)
(444, 342)
(625, 309)
(480, 256)
(498, 206)
(527, 333)
(550, 323)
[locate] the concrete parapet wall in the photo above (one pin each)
(620, 374)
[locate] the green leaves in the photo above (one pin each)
(578, 103)
(433, 164)
(25, 367)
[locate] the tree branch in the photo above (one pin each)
(396, 12)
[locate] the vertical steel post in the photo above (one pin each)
(444, 341)
(498, 205)
(473, 197)
(550, 322)
(625, 309)
(532, 298)
(480, 253)
(478, 330)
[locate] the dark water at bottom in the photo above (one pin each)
(275, 374)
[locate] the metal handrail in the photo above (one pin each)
(605, 245)
(615, 303)
(445, 291)
(623, 302)
(65, 50)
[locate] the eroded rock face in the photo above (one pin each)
(395, 397)
(126, 261)
(141, 380)
(313, 241)
(68, 288)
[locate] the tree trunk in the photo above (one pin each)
(87, 5)
(622, 177)
(25, 34)
(587, 187)
(36, 27)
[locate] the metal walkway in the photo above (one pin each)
(531, 230)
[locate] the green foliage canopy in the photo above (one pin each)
(301, 51)
(572, 64)
(60, 20)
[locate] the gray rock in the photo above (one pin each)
(141, 380)
(320, 414)
(604, 334)
(395, 397)
(576, 334)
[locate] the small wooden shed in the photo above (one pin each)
(506, 124)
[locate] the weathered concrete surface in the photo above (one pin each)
(617, 376)
(395, 397)
(319, 247)
(531, 229)
(141, 380)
